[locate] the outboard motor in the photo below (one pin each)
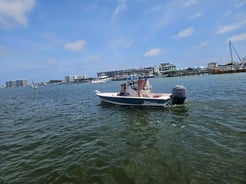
(178, 94)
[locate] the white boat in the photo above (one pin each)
(144, 97)
(101, 79)
(33, 85)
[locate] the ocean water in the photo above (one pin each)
(64, 134)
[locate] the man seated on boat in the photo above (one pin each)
(123, 90)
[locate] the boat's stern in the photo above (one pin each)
(178, 95)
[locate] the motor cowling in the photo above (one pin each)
(178, 94)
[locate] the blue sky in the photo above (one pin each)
(44, 39)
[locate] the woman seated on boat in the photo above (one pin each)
(123, 90)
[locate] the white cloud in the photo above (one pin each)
(228, 13)
(237, 38)
(202, 44)
(75, 46)
(195, 16)
(122, 42)
(189, 3)
(170, 12)
(120, 7)
(152, 52)
(184, 33)
(155, 9)
(231, 27)
(52, 61)
(242, 3)
(92, 59)
(14, 11)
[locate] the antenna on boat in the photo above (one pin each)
(142, 60)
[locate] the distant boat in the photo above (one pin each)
(232, 66)
(101, 79)
(120, 78)
(33, 85)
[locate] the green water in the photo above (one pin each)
(64, 134)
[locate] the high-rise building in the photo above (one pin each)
(17, 83)
(69, 78)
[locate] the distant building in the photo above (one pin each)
(17, 83)
(124, 73)
(11, 84)
(75, 78)
(69, 78)
(21, 83)
(167, 69)
(212, 65)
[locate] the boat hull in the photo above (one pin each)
(156, 100)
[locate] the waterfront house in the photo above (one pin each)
(167, 69)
